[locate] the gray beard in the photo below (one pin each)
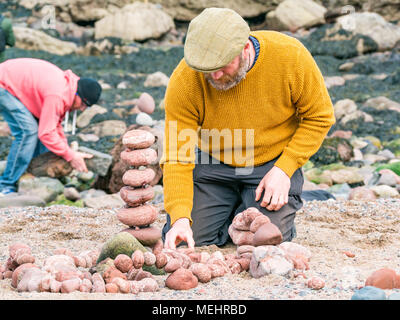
(240, 75)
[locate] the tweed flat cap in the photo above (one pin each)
(214, 38)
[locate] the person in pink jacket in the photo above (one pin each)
(34, 98)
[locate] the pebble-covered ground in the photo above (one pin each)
(370, 230)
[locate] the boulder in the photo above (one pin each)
(135, 22)
(100, 163)
(30, 39)
(83, 120)
(371, 24)
(362, 193)
(21, 201)
(50, 165)
(108, 201)
(267, 234)
(384, 278)
(106, 128)
(292, 15)
(142, 215)
(156, 79)
(44, 187)
(269, 260)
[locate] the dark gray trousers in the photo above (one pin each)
(220, 193)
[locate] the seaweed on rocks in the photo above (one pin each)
(325, 41)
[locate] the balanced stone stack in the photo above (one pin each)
(138, 214)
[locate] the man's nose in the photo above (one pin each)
(217, 74)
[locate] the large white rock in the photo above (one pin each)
(137, 21)
(294, 14)
(30, 39)
(371, 24)
(84, 118)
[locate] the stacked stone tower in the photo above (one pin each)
(138, 214)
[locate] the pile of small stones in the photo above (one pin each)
(65, 272)
(138, 214)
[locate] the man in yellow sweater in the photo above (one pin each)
(243, 112)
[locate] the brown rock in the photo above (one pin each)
(181, 279)
(142, 215)
(158, 246)
(67, 275)
(216, 270)
(243, 220)
(161, 260)
(240, 237)
(142, 275)
(70, 285)
(146, 103)
(244, 263)
(132, 273)
(140, 157)
(123, 285)
(384, 278)
(138, 178)
(148, 285)
(86, 286)
(112, 272)
(172, 265)
(195, 257)
(111, 288)
(7, 274)
(99, 285)
(146, 236)
(138, 139)
(123, 263)
(149, 258)
(316, 283)
(138, 259)
(201, 271)
(235, 267)
(258, 222)
(349, 254)
(18, 271)
(135, 197)
(267, 234)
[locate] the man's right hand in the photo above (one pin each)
(78, 161)
(180, 231)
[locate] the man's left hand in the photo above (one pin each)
(276, 184)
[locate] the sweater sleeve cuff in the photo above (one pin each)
(180, 212)
(287, 164)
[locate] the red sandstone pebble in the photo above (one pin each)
(240, 237)
(234, 267)
(63, 251)
(13, 248)
(204, 257)
(244, 263)
(316, 283)
(181, 279)
(25, 258)
(112, 272)
(172, 265)
(134, 287)
(7, 274)
(149, 258)
(218, 255)
(157, 248)
(70, 285)
(136, 196)
(142, 275)
(111, 288)
(55, 286)
(79, 261)
(201, 271)
(195, 257)
(66, 275)
(216, 270)
(161, 260)
(123, 263)
(138, 216)
(138, 178)
(140, 157)
(146, 236)
(86, 285)
(384, 278)
(243, 220)
(132, 273)
(44, 285)
(349, 254)
(138, 259)
(138, 139)
(258, 222)
(17, 273)
(148, 285)
(123, 285)
(99, 285)
(267, 234)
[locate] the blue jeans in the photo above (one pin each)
(26, 144)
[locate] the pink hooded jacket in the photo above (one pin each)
(48, 92)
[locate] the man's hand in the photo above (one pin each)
(180, 231)
(276, 184)
(78, 161)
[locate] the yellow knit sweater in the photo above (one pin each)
(282, 107)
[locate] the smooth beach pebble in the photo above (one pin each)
(138, 216)
(138, 139)
(181, 279)
(138, 178)
(139, 157)
(136, 196)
